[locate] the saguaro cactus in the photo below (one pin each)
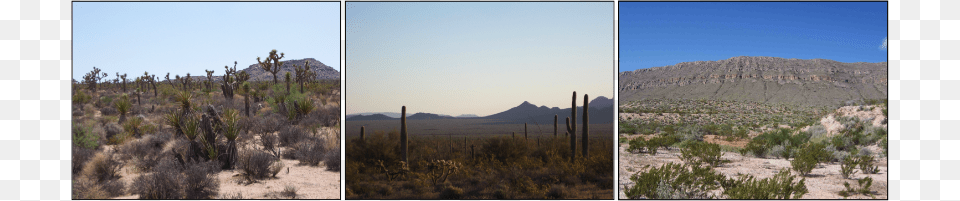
(586, 126)
(403, 133)
(361, 134)
(572, 128)
(525, 131)
(555, 126)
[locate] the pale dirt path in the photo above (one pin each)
(310, 182)
(824, 183)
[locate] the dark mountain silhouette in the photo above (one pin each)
(601, 102)
(467, 116)
(370, 117)
(529, 113)
(420, 116)
(816, 82)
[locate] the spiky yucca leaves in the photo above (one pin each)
(183, 98)
(133, 126)
(123, 107)
(231, 130)
(173, 120)
(190, 124)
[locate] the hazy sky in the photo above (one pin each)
(654, 34)
(475, 57)
(182, 37)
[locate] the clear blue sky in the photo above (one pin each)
(654, 34)
(476, 57)
(182, 37)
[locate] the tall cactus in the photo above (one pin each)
(586, 126)
(361, 134)
(555, 126)
(403, 133)
(572, 128)
(525, 131)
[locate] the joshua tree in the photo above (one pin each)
(272, 68)
(242, 77)
(586, 125)
(123, 81)
(403, 133)
(153, 82)
(93, 77)
(572, 128)
(168, 79)
(209, 79)
(231, 129)
(303, 73)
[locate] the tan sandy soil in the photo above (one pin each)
(823, 183)
(310, 182)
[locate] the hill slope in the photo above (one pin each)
(323, 71)
(817, 82)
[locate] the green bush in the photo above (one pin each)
(807, 158)
(698, 153)
(864, 188)
(682, 182)
(781, 186)
(637, 144)
(847, 166)
(866, 164)
(84, 137)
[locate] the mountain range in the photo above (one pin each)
(601, 111)
(816, 82)
(323, 71)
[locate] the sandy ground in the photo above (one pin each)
(310, 182)
(824, 182)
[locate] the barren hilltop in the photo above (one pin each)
(818, 82)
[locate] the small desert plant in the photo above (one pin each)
(866, 164)
(231, 130)
(864, 188)
(200, 180)
(183, 99)
(134, 126)
(702, 153)
(847, 166)
(691, 182)
(255, 164)
(332, 160)
(84, 137)
(291, 135)
(638, 144)
(123, 106)
(289, 191)
(80, 98)
(162, 183)
(781, 186)
(309, 152)
(807, 158)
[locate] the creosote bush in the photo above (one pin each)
(781, 186)
(702, 153)
(682, 181)
(256, 164)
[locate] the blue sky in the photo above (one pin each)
(182, 37)
(475, 57)
(654, 34)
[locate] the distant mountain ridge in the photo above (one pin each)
(601, 111)
(819, 82)
(323, 71)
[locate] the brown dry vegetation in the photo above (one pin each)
(137, 152)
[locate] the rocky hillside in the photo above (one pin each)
(818, 82)
(323, 71)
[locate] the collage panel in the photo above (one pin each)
(753, 100)
(479, 100)
(205, 100)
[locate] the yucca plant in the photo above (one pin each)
(173, 120)
(183, 99)
(123, 106)
(133, 126)
(231, 130)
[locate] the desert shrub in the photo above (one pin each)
(758, 147)
(376, 147)
(289, 191)
(114, 133)
(637, 145)
(163, 183)
(80, 157)
(865, 163)
(105, 111)
(681, 181)
(309, 152)
(255, 164)
(847, 166)
(504, 149)
(807, 158)
(291, 135)
(84, 137)
(200, 180)
(864, 188)
(558, 192)
(451, 193)
(698, 153)
(267, 124)
(332, 160)
(145, 152)
(781, 186)
(102, 167)
(689, 133)
(88, 189)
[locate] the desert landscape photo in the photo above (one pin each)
(753, 100)
(479, 100)
(196, 106)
